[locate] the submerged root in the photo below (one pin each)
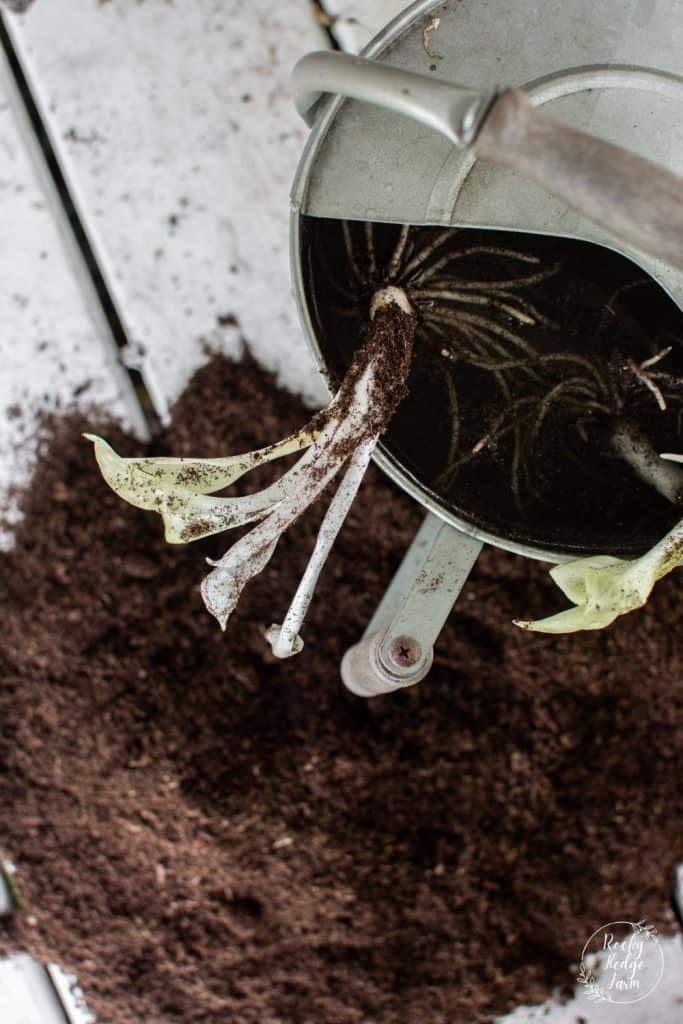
(634, 448)
(489, 325)
(641, 371)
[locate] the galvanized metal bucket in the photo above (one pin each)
(614, 70)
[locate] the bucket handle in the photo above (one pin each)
(636, 200)
(397, 648)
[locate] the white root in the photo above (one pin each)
(285, 640)
(636, 450)
(222, 588)
(421, 257)
(347, 431)
(394, 263)
(345, 435)
(642, 373)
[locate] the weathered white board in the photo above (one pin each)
(175, 128)
(26, 995)
(53, 354)
(355, 22)
(663, 1005)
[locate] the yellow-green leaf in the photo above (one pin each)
(603, 588)
(139, 481)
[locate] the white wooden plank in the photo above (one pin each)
(661, 1006)
(26, 995)
(355, 22)
(175, 128)
(51, 350)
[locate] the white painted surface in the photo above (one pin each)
(174, 124)
(664, 1005)
(71, 996)
(355, 22)
(26, 995)
(51, 355)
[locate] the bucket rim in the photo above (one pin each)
(542, 89)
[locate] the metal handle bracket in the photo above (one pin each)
(453, 110)
(397, 648)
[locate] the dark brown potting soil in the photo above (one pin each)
(207, 835)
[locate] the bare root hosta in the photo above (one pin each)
(338, 440)
(16, 6)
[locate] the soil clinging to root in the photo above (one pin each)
(209, 836)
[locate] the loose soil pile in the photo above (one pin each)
(206, 835)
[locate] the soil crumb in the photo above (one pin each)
(209, 836)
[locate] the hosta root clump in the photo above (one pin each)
(343, 434)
